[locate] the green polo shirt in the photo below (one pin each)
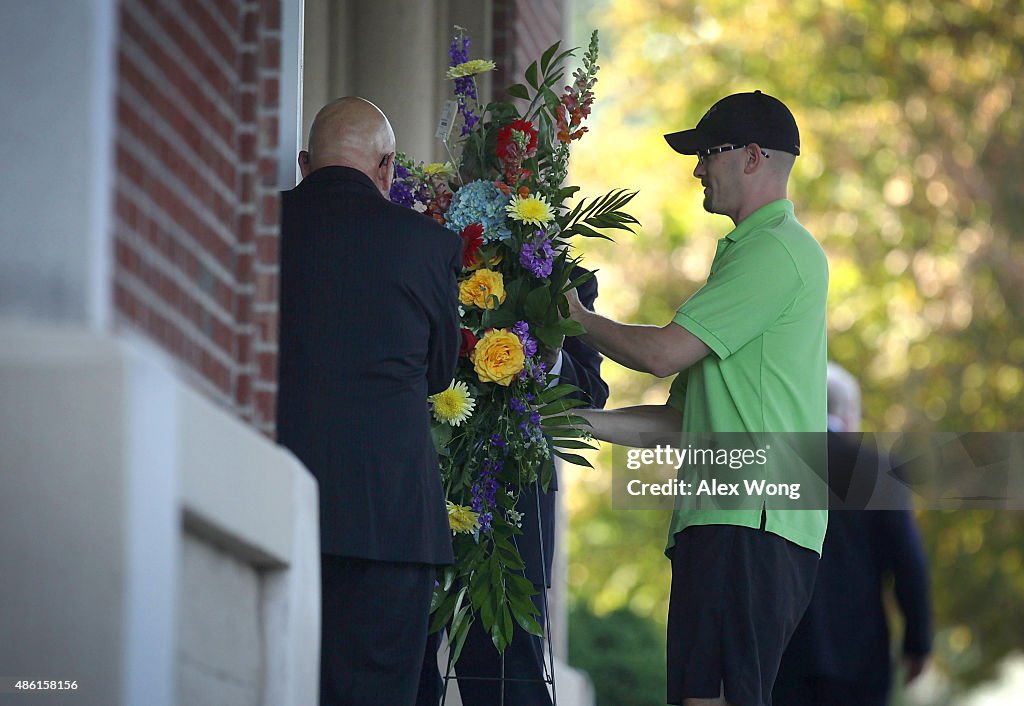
(762, 313)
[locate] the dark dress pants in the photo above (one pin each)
(374, 628)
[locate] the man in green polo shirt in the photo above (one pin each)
(749, 348)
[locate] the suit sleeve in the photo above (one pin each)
(581, 364)
(444, 327)
(905, 558)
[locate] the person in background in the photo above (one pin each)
(840, 652)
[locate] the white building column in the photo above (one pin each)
(57, 72)
(394, 53)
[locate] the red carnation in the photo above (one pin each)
(468, 343)
(507, 149)
(472, 240)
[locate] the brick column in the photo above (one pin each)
(195, 230)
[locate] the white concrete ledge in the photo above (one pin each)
(106, 459)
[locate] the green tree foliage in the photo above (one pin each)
(911, 176)
(623, 653)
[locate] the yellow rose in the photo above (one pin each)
(480, 287)
(498, 357)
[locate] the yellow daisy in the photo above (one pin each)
(438, 169)
(532, 210)
(454, 405)
(461, 518)
(471, 68)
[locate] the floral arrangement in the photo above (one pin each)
(502, 419)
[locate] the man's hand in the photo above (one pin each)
(575, 305)
(549, 356)
(913, 665)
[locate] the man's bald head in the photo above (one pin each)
(351, 132)
(843, 398)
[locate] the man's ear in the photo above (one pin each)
(304, 164)
(755, 157)
(386, 173)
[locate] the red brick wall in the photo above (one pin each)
(195, 227)
(523, 29)
(196, 202)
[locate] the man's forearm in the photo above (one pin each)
(627, 344)
(643, 426)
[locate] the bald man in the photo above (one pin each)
(369, 328)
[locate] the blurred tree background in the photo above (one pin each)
(912, 178)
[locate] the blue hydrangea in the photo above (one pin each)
(480, 202)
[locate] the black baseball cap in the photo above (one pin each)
(740, 119)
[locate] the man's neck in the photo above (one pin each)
(753, 205)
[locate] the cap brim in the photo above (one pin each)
(689, 141)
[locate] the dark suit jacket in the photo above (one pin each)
(368, 329)
(844, 635)
(581, 366)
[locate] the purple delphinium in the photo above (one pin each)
(522, 330)
(517, 405)
(531, 429)
(484, 491)
(465, 87)
(537, 255)
(540, 372)
(498, 440)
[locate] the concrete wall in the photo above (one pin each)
(152, 547)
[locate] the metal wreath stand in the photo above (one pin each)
(549, 665)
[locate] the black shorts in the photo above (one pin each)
(737, 596)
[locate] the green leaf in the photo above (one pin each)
(550, 99)
(520, 585)
(557, 392)
(497, 633)
(531, 75)
(545, 59)
(537, 303)
(460, 615)
(566, 192)
(587, 232)
(526, 621)
(437, 597)
(506, 624)
(486, 604)
(442, 435)
(498, 318)
(568, 327)
(550, 336)
(458, 638)
(449, 578)
(560, 406)
(572, 444)
(518, 91)
(574, 459)
(444, 612)
(509, 556)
